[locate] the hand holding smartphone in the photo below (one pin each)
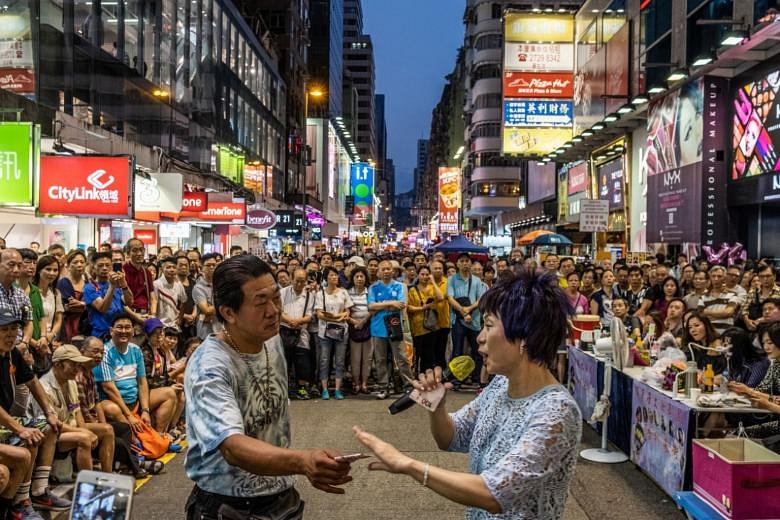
(352, 457)
(102, 495)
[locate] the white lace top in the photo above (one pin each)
(524, 449)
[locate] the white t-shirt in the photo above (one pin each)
(297, 305)
(334, 303)
(169, 298)
(65, 400)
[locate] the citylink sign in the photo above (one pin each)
(19, 149)
(93, 186)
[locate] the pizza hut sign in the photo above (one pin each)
(260, 219)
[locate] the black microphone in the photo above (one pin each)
(458, 368)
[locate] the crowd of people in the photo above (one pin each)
(95, 343)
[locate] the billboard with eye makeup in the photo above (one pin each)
(756, 128)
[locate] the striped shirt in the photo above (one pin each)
(123, 369)
(719, 302)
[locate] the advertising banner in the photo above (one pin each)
(674, 206)
(594, 215)
(449, 199)
(638, 183)
(196, 201)
(611, 178)
(541, 181)
(258, 178)
(534, 141)
(147, 235)
(85, 186)
(675, 129)
(589, 91)
(526, 27)
(583, 381)
(659, 434)
(578, 178)
(260, 219)
(756, 127)
(539, 57)
(617, 69)
(714, 212)
(17, 163)
(574, 203)
(224, 212)
(18, 81)
(544, 85)
(536, 112)
(158, 192)
(361, 177)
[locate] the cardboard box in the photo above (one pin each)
(738, 477)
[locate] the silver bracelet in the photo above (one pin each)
(425, 475)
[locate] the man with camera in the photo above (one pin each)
(107, 296)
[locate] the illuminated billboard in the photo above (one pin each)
(362, 188)
(449, 199)
(538, 82)
(756, 127)
(526, 27)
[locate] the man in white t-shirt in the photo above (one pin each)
(297, 312)
(171, 294)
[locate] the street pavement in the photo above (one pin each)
(598, 491)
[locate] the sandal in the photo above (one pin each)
(153, 467)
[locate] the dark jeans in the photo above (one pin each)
(460, 335)
(424, 352)
(440, 347)
(202, 505)
(298, 365)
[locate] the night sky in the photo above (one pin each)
(415, 46)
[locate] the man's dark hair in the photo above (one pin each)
(121, 316)
(464, 255)
(100, 254)
(407, 265)
(230, 276)
(129, 244)
(532, 308)
(236, 248)
(167, 260)
(209, 256)
(27, 254)
(622, 267)
(775, 301)
(54, 247)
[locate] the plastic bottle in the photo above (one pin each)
(708, 379)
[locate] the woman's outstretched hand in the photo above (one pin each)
(389, 458)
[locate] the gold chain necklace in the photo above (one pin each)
(267, 398)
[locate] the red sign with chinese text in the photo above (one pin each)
(85, 186)
(558, 85)
(147, 236)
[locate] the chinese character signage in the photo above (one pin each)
(449, 199)
(88, 186)
(526, 27)
(594, 215)
(538, 85)
(18, 150)
(362, 188)
(538, 82)
(534, 112)
(539, 57)
(578, 178)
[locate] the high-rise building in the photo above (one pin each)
(359, 61)
(283, 27)
(326, 61)
(422, 158)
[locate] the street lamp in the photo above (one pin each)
(317, 93)
(165, 97)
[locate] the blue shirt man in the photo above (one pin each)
(468, 286)
(107, 297)
(383, 292)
